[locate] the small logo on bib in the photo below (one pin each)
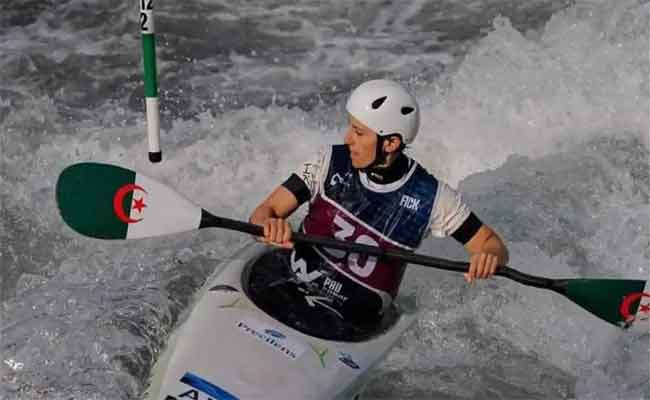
(410, 203)
(338, 179)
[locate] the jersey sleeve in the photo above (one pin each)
(310, 171)
(305, 180)
(449, 212)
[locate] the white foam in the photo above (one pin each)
(532, 96)
(583, 76)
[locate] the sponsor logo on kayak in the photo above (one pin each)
(274, 333)
(331, 286)
(202, 389)
(643, 312)
(299, 267)
(346, 359)
(320, 352)
(332, 289)
(292, 349)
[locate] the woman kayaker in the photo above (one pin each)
(368, 191)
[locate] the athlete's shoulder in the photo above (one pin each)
(422, 169)
(449, 212)
(423, 175)
(310, 170)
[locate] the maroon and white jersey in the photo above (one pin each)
(346, 205)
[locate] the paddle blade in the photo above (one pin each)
(109, 202)
(618, 301)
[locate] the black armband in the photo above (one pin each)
(298, 188)
(467, 229)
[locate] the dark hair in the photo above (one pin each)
(402, 145)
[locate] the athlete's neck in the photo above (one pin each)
(390, 173)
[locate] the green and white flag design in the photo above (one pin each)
(635, 308)
(110, 202)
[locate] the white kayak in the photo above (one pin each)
(228, 348)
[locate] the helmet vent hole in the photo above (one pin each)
(407, 110)
(377, 103)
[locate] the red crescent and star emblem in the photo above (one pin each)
(118, 199)
(627, 303)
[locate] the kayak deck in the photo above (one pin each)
(229, 348)
(274, 289)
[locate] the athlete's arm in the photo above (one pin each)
(272, 214)
(281, 203)
(452, 217)
(487, 252)
(284, 200)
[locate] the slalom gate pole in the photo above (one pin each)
(150, 79)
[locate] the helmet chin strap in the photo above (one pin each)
(387, 174)
(380, 155)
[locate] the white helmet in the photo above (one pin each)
(385, 107)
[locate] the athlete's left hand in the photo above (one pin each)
(481, 266)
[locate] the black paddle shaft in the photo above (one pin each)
(210, 220)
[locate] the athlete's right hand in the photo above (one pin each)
(277, 232)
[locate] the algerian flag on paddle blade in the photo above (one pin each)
(110, 202)
(622, 302)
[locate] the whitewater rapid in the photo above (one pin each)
(537, 112)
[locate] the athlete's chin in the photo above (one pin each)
(359, 164)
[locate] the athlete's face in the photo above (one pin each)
(362, 142)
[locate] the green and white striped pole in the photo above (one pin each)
(150, 79)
